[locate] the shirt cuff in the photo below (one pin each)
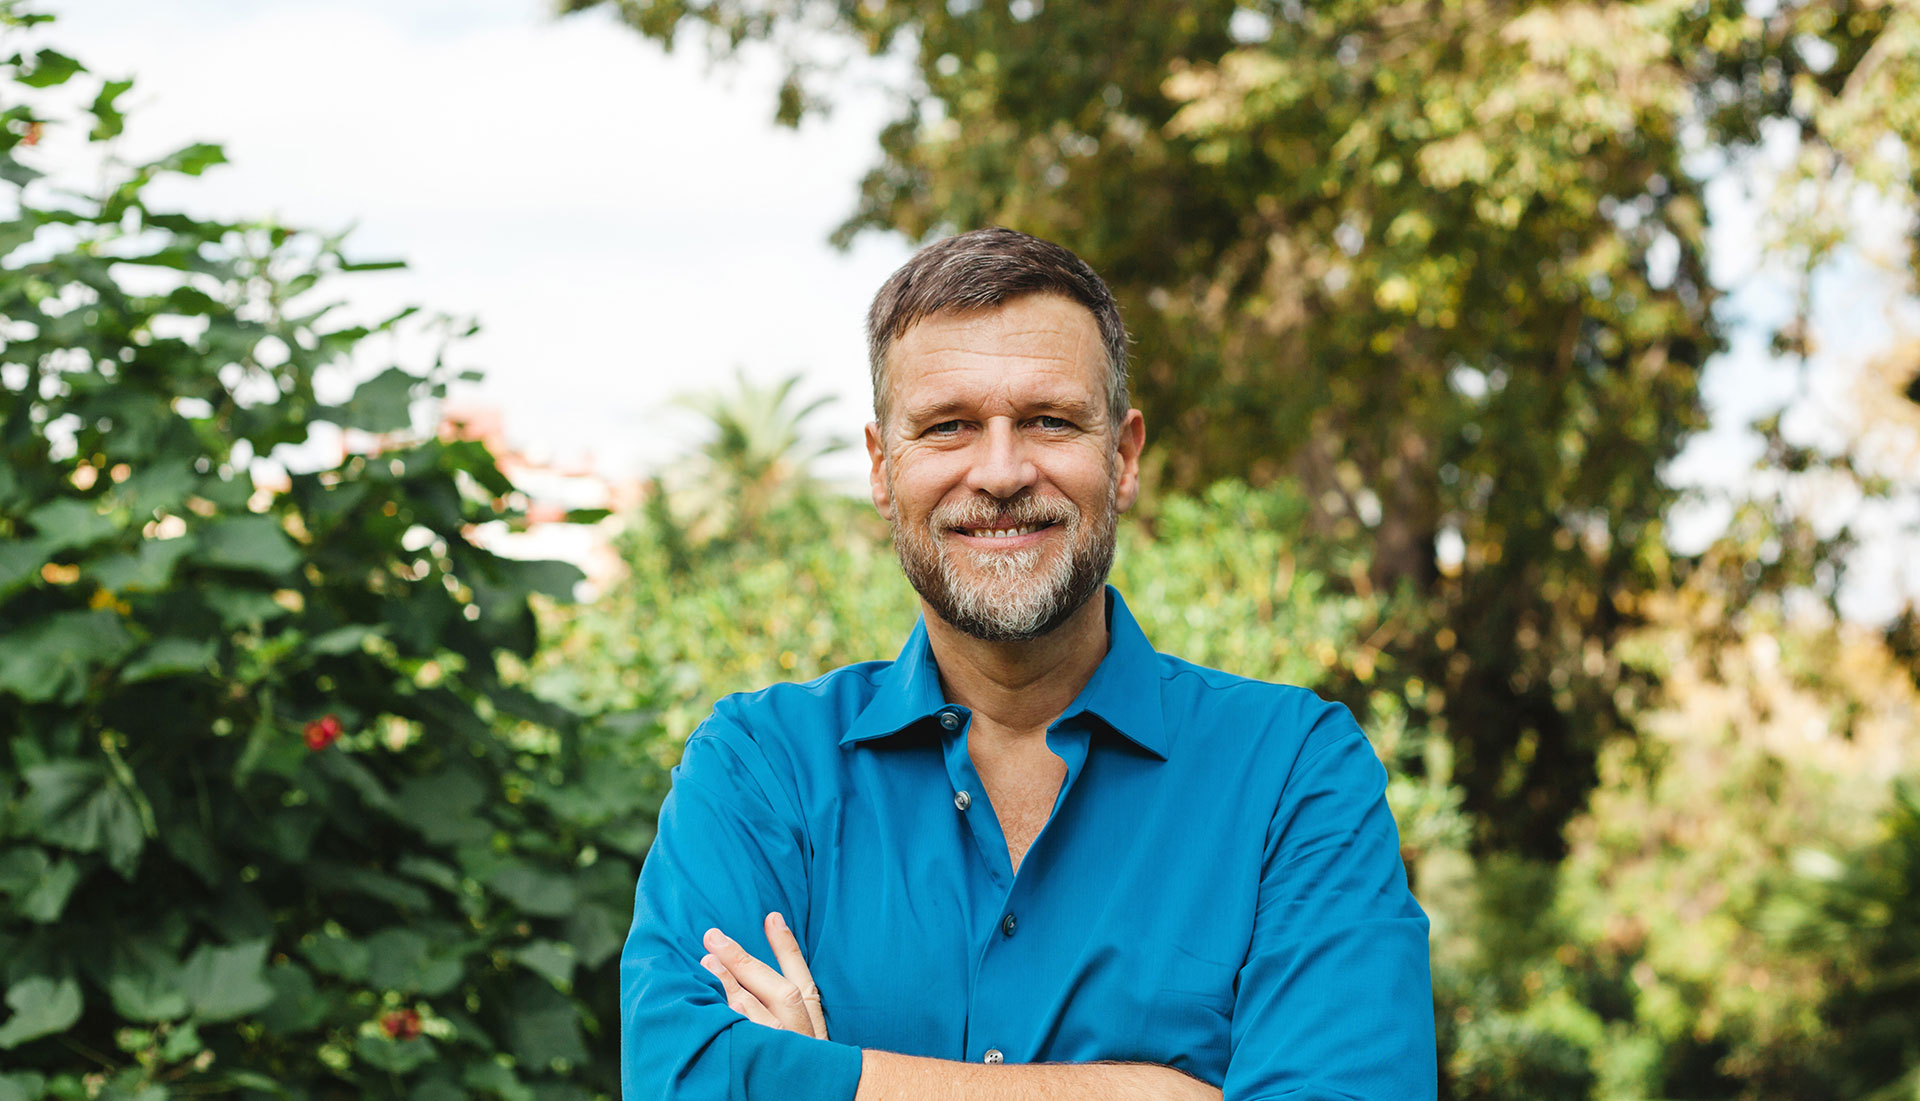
(774, 1063)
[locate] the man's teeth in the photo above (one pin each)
(1002, 533)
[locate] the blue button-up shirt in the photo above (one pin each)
(1218, 889)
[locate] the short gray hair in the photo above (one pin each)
(981, 270)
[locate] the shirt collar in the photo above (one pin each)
(1124, 692)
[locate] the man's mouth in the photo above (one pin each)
(1002, 533)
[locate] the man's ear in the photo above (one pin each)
(877, 476)
(1131, 440)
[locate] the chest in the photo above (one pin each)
(1022, 790)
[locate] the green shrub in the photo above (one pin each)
(274, 818)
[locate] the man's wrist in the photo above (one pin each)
(887, 1076)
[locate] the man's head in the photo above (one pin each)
(980, 270)
(1003, 448)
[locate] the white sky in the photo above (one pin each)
(596, 202)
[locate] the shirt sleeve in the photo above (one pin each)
(1335, 1000)
(723, 857)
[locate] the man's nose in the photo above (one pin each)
(1001, 466)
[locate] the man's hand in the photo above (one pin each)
(785, 999)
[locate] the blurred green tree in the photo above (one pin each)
(277, 817)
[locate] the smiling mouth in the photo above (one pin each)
(1002, 533)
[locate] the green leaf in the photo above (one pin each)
(544, 1026)
(66, 524)
(395, 1056)
(48, 898)
(444, 806)
(553, 962)
(21, 870)
(111, 122)
(596, 933)
(545, 576)
(344, 640)
(383, 403)
(255, 543)
(158, 486)
(191, 160)
(297, 1005)
(223, 983)
(534, 890)
(20, 562)
(50, 67)
(406, 961)
(497, 1079)
(41, 1007)
(79, 805)
(24, 1086)
(51, 659)
(148, 568)
(145, 983)
(169, 656)
(337, 955)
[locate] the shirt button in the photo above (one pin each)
(962, 800)
(992, 1056)
(1008, 925)
(950, 719)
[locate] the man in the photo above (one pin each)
(1031, 858)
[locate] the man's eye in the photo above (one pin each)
(1052, 422)
(944, 428)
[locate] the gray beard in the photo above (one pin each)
(1011, 596)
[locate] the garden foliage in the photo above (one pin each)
(276, 816)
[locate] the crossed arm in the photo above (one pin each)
(788, 999)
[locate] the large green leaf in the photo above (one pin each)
(533, 889)
(41, 1007)
(444, 805)
(25, 1086)
(404, 960)
(66, 524)
(146, 982)
(550, 960)
(146, 569)
(81, 806)
(51, 659)
(169, 656)
(543, 1026)
(383, 403)
(256, 543)
(221, 983)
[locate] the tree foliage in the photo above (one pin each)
(277, 817)
(1442, 264)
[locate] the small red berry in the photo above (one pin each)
(401, 1024)
(321, 733)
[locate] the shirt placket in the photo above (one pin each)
(998, 1000)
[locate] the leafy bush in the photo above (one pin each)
(275, 818)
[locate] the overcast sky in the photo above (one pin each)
(627, 224)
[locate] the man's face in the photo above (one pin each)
(999, 468)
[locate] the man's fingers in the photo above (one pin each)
(773, 990)
(738, 999)
(793, 964)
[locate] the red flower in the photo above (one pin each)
(321, 733)
(401, 1024)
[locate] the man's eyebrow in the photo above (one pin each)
(1074, 409)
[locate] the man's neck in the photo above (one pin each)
(1020, 687)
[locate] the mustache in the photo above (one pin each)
(988, 512)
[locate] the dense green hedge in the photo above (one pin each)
(273, 817)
